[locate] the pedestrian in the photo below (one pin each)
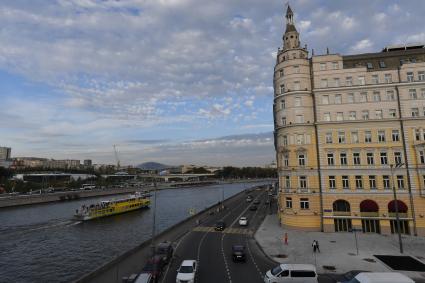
(317, 246)
(286, 238)
(314, 245)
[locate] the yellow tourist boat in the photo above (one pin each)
(111, 207)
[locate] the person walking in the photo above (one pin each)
(314, 245)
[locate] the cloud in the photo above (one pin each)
(363, 45)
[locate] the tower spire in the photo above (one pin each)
(291, 36)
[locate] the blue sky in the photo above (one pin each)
(174, 81)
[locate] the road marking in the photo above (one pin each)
(253, 260)
(229, 277)
(243, 212)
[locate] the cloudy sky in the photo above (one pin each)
(174, 81)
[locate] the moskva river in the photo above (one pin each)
(42, 243)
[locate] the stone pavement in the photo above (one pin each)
(337, 249)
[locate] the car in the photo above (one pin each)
(186, 272)
(165, 249)
(220, 226)
(238, 253)
(144, 278)
(249, 198)
(349, 275)
(256, 201)
(243, 221)
(301, 273)
(380, 277)
(253, 208)
(154, 266)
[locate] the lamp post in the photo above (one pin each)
(397, 216)
(154, 217)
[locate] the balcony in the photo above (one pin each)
(369, 214)
(342, 213)
(400, 214)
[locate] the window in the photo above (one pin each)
(336, 82)
(343, 158)
(378, 114)
(339, 116)
(422, 157)
(304, 204)
(335, 65)
(325, 99)
(300, 139)
(352, 115)
(345, 183)
(281, 73)
(390, 95)
(356, 158)
(365, 115)
(338, 99)
(376, 96)
(301, 159)
(392, 113)
(283, 121)
(368, 136)
(417, 135)
(372, 182)
(303, 182)
(297, 85)
(375, 79)
(397, 157)
(382, 64)
(286, 160)
(282, 89)
(285, 140)
(341, 137)
(395, 135)
(328, 137)
(296, 69)
(348, 81)
(354, 137)
(410, 76)
(361, 80)
(288, 202)
(412, 94)
(322, 66)
(415, 112)
(359, 182)
(350, 98)
(282, 104)
(297, 101)
(324, 83)
(327, 116)
(332, 182)
(369, 65)
(386, 182)
(388, 78)
(384, 158)
(299, 118)
(381, 136)
(400, 182)
(287, 182)
(363, 97)
(331, 159)
(370, 159)
(421, 76)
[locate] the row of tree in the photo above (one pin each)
(246, 172)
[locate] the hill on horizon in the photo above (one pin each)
(153, 166)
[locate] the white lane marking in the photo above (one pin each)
(243, 212)
(229, 277)
(253, 260)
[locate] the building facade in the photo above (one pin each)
(348, 128)
(5, 153)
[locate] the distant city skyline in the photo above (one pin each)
(166, 80)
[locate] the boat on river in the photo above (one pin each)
(105, 208)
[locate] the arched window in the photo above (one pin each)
(369, 206)
(341, 205)
(402, 207)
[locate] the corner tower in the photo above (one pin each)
(295, 135)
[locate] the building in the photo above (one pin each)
(345, 128)
(5, 153)
(88, 163)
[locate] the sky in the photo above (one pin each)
(172, 81)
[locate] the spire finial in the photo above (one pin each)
(289, 15)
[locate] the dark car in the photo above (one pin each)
(165, 249)
(348, 276)
(248, 198)
(220, 225)
(256, 201)
(253, 207)
(154, 266)
(238, 253)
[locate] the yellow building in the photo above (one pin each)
(346, 129)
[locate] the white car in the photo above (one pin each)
(186, 272)
(243, 221)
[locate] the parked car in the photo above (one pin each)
(144, 278)
(154, 266)
(243, 221)
(295, 273)
(238, 253)
(220, 226)
(165, 249)
(380, 277)
(253, 208)
(186, 272)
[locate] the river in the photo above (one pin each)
(42, 243)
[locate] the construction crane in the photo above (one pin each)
(116, 157)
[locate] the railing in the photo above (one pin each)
(400, 214)
(342, 213)
(369, 214)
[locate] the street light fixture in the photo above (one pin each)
(397, 216)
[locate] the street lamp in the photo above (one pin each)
(397, 216)
(154, 218)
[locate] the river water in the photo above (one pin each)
(42, 243)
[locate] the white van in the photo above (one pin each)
(302, 273)
(381, 277)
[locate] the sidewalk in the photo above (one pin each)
(337, 249)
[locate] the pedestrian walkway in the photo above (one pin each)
(337, 250)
